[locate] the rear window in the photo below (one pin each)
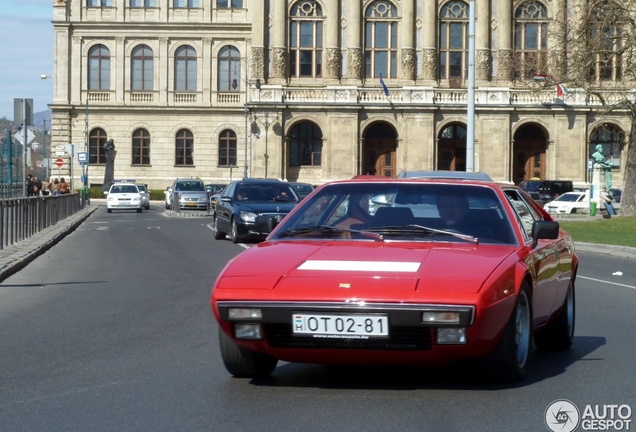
(187, 185)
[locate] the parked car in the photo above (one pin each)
(445, 174)
(302, 189)
(251, 208)
(215, 187)
(548, 189)
(145, 195)
(481, 280)
(123, 196)
(192, 194)
(569, 202)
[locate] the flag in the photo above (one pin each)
(384, 88)
(562, 90)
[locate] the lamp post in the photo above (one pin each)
(47, 165)
(246, 111)
(267, 123)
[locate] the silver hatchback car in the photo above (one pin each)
(145, 195)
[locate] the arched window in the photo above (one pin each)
(99, 68)
(305, 39)
(185, 69)
(96, 140)
(611, 139)
(184, 148)
(531, 39)
(229, 69)
(380, 40)
(142, 68)
(453, 40)
(141, 147)
(227, 148)
(606, 43)
(305, 145)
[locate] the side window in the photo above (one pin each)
(526, 214)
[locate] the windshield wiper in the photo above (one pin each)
(328, 230)
(465, 237)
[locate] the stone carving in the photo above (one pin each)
(354, 63)
(59, 3)
(408, 63)
(483, 64)
(279, 66)
(505, 68)
(429, 63)
(258, 62)
(333, 63)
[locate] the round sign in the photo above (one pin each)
(59, 162)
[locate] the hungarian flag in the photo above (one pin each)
(561, 90)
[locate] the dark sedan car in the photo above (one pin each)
(251, 208)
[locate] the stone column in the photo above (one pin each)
(355, 65)
(429, 45)
(331, 63)
(505, 61)
(407, 42)
(163, 75)
(259, 21)
(483, 62)
(62, 76)
(118, 69)
(206, 71)
(79, 70)
(279, 50)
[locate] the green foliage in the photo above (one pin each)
(618, 231)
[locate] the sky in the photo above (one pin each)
(26, 35)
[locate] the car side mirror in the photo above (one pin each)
(544, 230)
(105, 192)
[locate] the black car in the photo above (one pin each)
(302, 189)
(251, 208)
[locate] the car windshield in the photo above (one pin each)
(189, 185)
(400, 212)
(265, 192)
(142, 188)
(531, 186)
(569, 197)
(124, 189)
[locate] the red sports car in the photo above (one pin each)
(382, 271)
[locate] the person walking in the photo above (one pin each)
(46, 191)
(63, 188)
(606, 200)
(53, 187)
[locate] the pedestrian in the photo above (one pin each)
(54, 187)
(606, 201)
(37, 186)
(29, 185)
(63, 188)
(46, 191)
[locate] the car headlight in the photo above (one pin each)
(136, 199)
(247, 216)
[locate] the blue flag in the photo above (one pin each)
(384, 88)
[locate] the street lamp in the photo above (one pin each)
(246, 111)
(267, 123)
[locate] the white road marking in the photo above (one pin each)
(608, 282)
(154, 227)
(211, 227)
(102, 228)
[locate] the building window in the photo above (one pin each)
(99, 68)
(611, 140)
(99, 3)
(143, 3)
(229, 69)
(96, 140)
(305, 145)
(185, 65)
(142, 68)
(606, 43)
(453, 40)
(531, 40)
(305, 39)
(141, 147)
(380, 40)
(189, 4)
(227, 148)
(226, 4)
(184, 148)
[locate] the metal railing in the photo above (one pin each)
(21, 218)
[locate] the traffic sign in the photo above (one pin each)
(82, 157)
(59, 162)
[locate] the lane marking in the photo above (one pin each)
(607, 282)
(211, 227)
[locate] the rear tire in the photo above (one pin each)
(560, 334)
(218, 234)
(244, 363)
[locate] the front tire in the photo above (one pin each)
(109, 210)
(243, 363)
(509, 360)
(559, 335)
(234, 235)
(138, 210)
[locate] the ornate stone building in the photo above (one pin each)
(313, 90)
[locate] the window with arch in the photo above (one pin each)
(99, 68)
(380, 40)
(606, 40)
(142, 67)
(305, 39)
(229, 69)
(96, 140)
(187, 4)
(227, 148)
(99, 3)
(305, 145)
(185, 69)
(141, 147)
(531, 39)
(184, 148)
(453, 40)
(143, 3)
(611, 140)
(229, 4)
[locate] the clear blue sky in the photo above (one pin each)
(26, 34)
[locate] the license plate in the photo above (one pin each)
(191, 204)
(341, 325)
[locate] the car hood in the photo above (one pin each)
(266, 206)
(373, 270)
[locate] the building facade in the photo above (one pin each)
(315, 90)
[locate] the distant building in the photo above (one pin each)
(314, 90)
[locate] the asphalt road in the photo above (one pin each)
(111, 330)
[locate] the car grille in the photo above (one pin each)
(401, 338)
